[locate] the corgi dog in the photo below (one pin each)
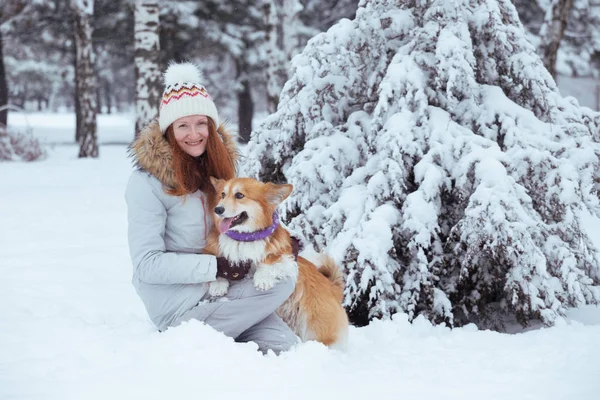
(246, 227)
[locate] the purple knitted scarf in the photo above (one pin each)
(258, 235)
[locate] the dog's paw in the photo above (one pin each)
(263, 281)
(218, 288)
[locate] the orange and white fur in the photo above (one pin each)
(314, 310)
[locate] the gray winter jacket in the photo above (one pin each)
(166, 233)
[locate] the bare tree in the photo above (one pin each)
(147, 70)
(85, 79)
(552, 32)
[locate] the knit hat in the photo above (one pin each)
(184, 95)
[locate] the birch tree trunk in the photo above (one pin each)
(86, 99)
(553, 31)
(147, 70)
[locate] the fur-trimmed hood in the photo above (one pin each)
(151, 153)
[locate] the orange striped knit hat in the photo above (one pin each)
(184, 95)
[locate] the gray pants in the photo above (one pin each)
(248, 315)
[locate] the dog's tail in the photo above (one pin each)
(332, 271)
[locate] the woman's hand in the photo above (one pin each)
(232, 271)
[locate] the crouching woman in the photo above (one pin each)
(169, 215)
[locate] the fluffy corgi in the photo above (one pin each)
(246, 227)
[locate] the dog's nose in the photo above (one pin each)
(219, 210)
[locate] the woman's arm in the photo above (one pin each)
(147, 217)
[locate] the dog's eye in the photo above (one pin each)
(239, 195)
(223, 195)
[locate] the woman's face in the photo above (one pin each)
(191, 133)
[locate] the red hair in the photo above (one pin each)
(193, 173)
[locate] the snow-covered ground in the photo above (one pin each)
(59, 128)
(72, 327)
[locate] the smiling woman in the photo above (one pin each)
(170, 199)
(198, 152)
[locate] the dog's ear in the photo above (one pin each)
(215, 182)
(275, 194)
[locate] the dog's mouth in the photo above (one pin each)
(228, 223)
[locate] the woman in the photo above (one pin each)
(169, 215)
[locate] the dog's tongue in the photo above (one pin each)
(225, 224)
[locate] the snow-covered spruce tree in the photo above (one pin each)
(433, 156)
(147, 69)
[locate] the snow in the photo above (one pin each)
(74, 328)
(59, 128)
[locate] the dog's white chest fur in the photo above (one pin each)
(234, 250)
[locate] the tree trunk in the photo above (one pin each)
(3, 86)
(77, 105)
(147, 70)
(553, 31)
(98, 96)
(281, 28)
(86, 80)
(290, 21)
(107, 96)
(273, 55)
(245, 104)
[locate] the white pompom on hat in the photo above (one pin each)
(184, 95)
